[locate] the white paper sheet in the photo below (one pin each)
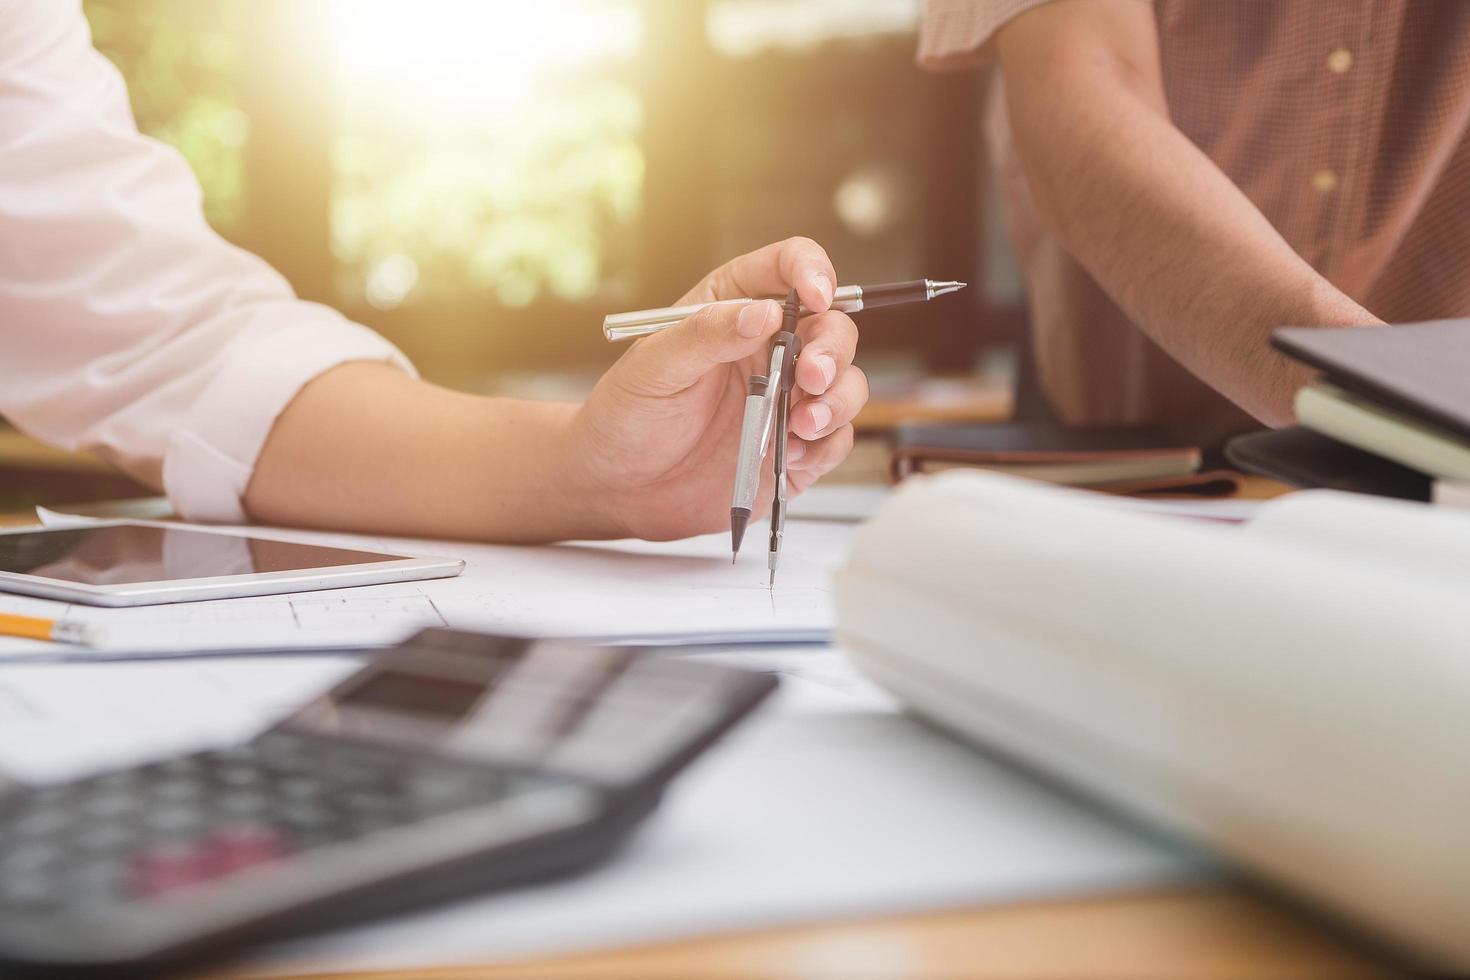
(62, 721)
(135, 508)
(854, 503)
(636, 591)
(827, 805)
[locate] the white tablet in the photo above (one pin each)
(139, 563)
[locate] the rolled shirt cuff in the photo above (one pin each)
(211, 457)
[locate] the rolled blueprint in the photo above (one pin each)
(1294, 693)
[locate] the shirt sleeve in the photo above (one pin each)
(957, 34)
(127, 326)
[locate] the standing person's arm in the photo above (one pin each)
(1169, 237)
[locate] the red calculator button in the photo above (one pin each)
(246, 845)
(167, 867)
(219, 853)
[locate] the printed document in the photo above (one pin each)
(827, 804)
(632, 591)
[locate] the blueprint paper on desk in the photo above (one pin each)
(827, 805)
(632, 591)
(61, 722)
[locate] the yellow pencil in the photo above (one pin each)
(58, 630)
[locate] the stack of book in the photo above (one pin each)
(1122, 460)
(1390, 414)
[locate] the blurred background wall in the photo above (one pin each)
(482, 180)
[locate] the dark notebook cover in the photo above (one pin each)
(1420, 369)
(1304, 458)
(1087, 450)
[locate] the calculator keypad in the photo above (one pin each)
(157, 829)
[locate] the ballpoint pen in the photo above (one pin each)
(848, 299)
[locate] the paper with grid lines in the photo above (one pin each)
(629, 591)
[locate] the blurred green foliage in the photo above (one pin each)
(180, 59)
(536, 196)
(547, 207)
(485, 151)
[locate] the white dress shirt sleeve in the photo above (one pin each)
(127, 326)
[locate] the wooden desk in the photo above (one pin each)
(1220, 931)
(1178, 934)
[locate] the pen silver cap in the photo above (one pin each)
(640, 323)
(943, 288)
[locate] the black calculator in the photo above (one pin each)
(451, 764)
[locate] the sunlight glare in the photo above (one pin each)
(449, 57)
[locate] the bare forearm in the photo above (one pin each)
(1164, 231)
(367, 448)
(364, 447)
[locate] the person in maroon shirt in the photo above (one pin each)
(1184, 176)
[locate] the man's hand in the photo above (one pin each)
(657, 440)
(365, 447)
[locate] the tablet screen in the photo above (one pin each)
(124, 554)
